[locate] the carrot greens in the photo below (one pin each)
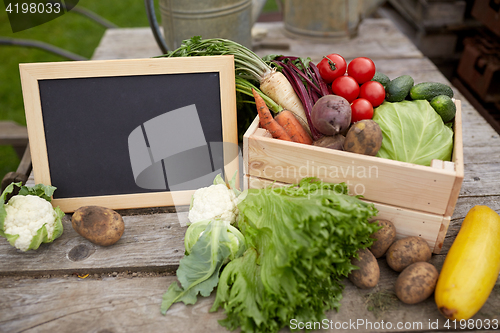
(247, 64)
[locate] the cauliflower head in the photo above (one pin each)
(214, 201)
(29, 220)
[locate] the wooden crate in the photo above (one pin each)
(479, 67)
(419, 200)
(431, 13)
(488, 13)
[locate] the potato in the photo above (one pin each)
(384, 238)
(364, 137)
(368, 274)
(406, 251)
(416, 283)
(100, 225)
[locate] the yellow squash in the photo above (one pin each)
(472, 265)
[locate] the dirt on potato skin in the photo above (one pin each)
(368, 274)
(416, 282)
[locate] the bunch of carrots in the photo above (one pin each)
(284, 126)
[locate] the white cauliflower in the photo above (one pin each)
(25, 215)
(28, 219)
(214, 201)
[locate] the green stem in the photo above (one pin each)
(246, 61)
(245, 87)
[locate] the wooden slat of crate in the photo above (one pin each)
(458, 161)
(398, 184)
(431, 227)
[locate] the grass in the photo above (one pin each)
(72, 32)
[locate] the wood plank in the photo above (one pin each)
(477, 133)
(485, 154)
(98, 305)
(251, 129)
(481, 179)
(420, 69)
(124, 303)
(13, 134)
(127, 43)
(464, 204)
(150, 242)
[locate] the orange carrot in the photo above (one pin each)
(293, 127)
(267, 121)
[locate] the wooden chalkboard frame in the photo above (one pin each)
(31, 73)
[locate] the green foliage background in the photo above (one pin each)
(73, 32)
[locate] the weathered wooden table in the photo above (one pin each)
(49, 290)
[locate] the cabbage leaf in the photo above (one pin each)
(413, 132)
(209, 245)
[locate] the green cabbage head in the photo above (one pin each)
(413, 132)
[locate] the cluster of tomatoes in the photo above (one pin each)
(353, 82)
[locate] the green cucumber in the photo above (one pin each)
(381, 78)
(398, 89)
(445, 107)
(429, 90)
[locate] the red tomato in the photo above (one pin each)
(346, 87)
(373, 91)
(331, 67)
(361, 109)
(361, 69)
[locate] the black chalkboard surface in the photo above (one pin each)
(130, 133)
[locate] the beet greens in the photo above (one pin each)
(306, 81)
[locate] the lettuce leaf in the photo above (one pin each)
(413, 132)
(300, 243)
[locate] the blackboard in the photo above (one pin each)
(130, 133)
